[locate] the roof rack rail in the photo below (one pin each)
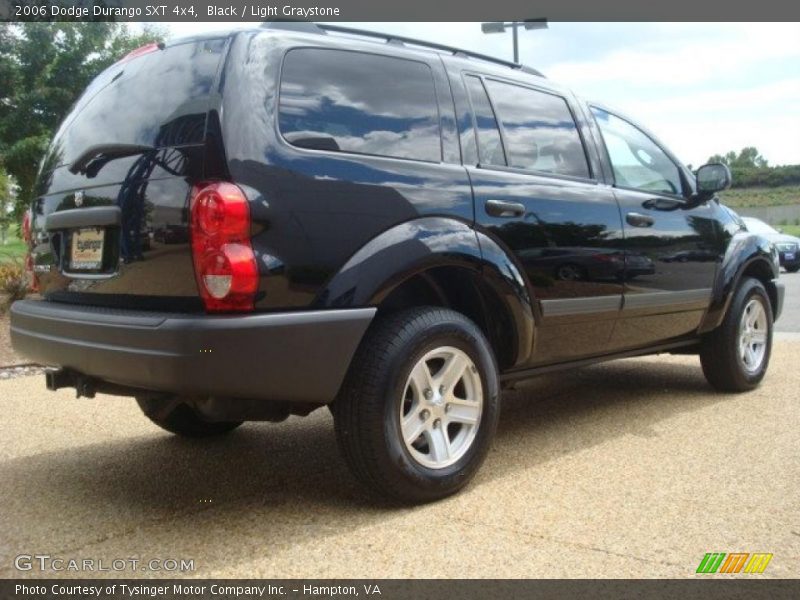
(399, 39)
(288, 24)
(309, 27)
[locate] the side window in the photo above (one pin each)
(636, 160)
(490, 144)
(358, 102)
(539, 129)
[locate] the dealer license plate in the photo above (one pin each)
(87, 249)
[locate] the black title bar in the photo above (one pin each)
(395, 10)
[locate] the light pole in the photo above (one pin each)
(500, 27)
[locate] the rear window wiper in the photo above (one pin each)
(94, 158)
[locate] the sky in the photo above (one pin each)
(702, 88)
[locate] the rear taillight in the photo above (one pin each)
(26, 226)
(224, 261)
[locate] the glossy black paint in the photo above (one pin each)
(565, 257)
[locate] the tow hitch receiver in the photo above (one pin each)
(64, 378)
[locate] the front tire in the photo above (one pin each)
(180, 418)
(735, 356)
(419, 406)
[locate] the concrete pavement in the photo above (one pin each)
(628, 469)
(790, 317)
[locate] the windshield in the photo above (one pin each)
(757, 226)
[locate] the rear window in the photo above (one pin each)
(357, 102)
(159, 99)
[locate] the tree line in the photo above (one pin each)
(750, 169)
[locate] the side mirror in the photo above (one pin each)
(712, 178)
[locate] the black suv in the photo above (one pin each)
(391, 228)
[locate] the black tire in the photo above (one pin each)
(793, 269)
(367, 410)
(181, 419)
(722, 363)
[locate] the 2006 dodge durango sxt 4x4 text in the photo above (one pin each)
(259, 224)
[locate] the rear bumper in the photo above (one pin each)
(290, 357)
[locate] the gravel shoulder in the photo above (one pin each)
(7, 355)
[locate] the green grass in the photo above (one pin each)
(761, 196)
(14, 248)
(791, 229)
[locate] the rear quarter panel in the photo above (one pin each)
(312, 209)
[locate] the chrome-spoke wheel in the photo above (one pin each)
(441, 408)
(753, 331)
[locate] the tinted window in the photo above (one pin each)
(158, 99)
(636, 160)
(355, 102)
(540, 133)
(490, 145)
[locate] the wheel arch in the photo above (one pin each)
(748, 255)
(441, 262)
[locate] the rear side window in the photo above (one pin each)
(358, 102)
(490, 145)
(159, 99)
(540, 132)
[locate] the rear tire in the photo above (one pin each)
(418, 409)
(793, 269)
(181, 419)
(735, 356)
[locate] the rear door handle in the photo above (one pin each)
(505, 209)
(639, 220)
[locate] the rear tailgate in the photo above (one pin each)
(110, 223)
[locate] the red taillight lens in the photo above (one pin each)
(146, 49)
(224, 261)
(26, 226)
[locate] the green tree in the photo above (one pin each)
(44, 68)
(748, 158)
(726, 159)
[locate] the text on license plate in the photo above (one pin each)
(87, 249)
(788, 256)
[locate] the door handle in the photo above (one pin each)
(639, 220)
(504, 209)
